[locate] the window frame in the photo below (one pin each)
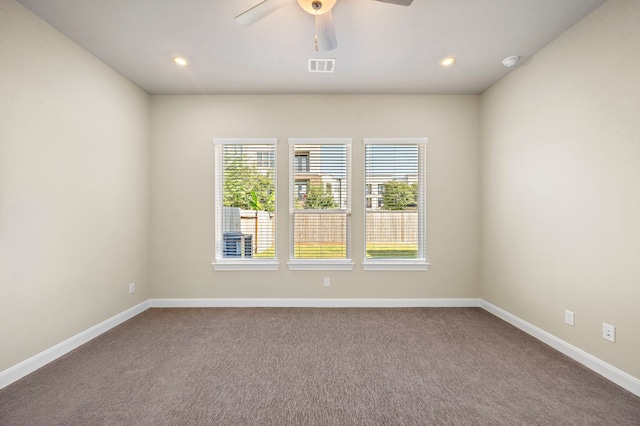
(319, 264)
(239, 264)
(420, 263)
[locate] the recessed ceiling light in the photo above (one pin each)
(449, 60)
(183, 62)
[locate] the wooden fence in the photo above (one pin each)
(392, 226)
(383, 226)
(320, 228)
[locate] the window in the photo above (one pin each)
(301, 189)
(395, 225)
(302, 161)
(265, 159)
(245, 204)
(320, 203)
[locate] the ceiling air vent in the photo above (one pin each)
(322, 65)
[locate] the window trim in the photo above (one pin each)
(419, 264)
(252, 264)
(319, 264)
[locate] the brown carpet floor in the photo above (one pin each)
(303, 366)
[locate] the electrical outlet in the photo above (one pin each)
(568, 317)
(608, 332)
(327, 282)
(132, 288)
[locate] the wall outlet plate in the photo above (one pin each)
(568, 317)
(608, 332)
(132, 288)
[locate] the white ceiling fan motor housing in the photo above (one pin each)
(311, 6)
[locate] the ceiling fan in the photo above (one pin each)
(325, 36)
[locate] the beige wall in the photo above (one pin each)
(183, 180)
(73, 188)
(561, 186)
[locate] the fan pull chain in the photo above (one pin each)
(315, 38)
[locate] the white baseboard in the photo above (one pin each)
(313, 303)
(30, 365)
(608, 371)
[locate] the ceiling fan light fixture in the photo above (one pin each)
(447, 61)
(317, 7)
(325, 34)
(180, 61)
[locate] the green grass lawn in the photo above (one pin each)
(337, 251)
(392, 251)
(266, 254)
(320, 251)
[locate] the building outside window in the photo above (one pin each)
(264, 159)
(301, 190)
(302, 161)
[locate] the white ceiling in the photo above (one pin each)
(382, 48)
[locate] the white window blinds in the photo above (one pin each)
(395, 199)
(245, 199)
(320, 198)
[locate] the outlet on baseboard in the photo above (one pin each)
(608, 332)
(568, 317)
(132, 288)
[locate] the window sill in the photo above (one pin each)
(394, 265)
(321, 265)
(245, 265)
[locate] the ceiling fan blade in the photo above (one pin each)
(398, 2)
(260, 10)
(326, 32)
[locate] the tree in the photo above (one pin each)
(399, 196)
(262, 204)
(319, 198)
(246, 188)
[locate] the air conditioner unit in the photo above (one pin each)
(237, 244)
